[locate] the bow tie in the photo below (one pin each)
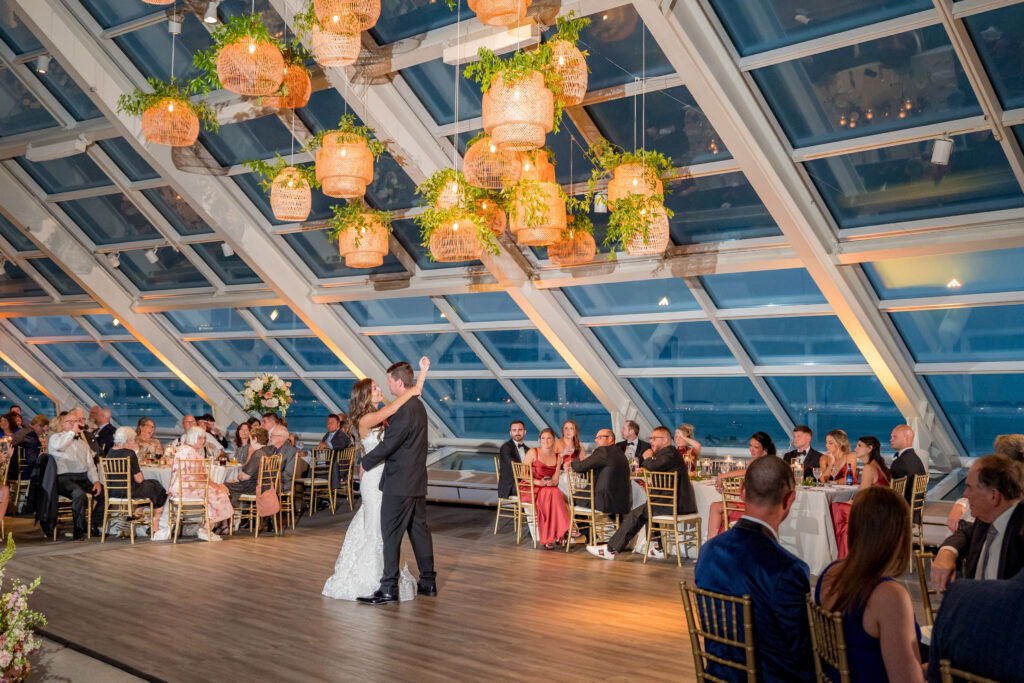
(521, 445)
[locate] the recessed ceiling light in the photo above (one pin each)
(210, 17)
(663, 301)
(115, 322)
(43, 63)
(953, 284)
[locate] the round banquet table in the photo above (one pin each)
(162, 473)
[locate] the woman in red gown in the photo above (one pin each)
(760, 445)
(874, 473)
(550, 506)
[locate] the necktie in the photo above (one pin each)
(986, 552)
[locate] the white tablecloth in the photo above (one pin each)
(218, 473)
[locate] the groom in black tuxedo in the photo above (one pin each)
(404, 485)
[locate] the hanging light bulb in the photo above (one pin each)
(170, 106)
(252, 48)
(210, 16)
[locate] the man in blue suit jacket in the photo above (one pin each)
(748, 560)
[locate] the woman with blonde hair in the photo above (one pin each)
(838, 460)
(148, 445)
(687, 446)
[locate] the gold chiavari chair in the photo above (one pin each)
(116, 474)
(524, 484)
(507, 507)
(20, 485)
(582, 508)
(920, 488)
(923, 560)
(732, 501)
(193, 491)
(899, 485)
(344, 463)
(828, 642)
(269, 475)
(721, 619)
(318, 483)
(287, 498)
(662, 497)
(951, 675)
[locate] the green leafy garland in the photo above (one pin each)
(270, 171)
(354, 215)
(632, 216)
(578, 208)
(516, 69)
(432, 219)
(138, 101)
(237, 28)
(348, 131)
(569, 28)
(606, 157)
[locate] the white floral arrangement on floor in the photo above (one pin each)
(267, 394)
(17, 624)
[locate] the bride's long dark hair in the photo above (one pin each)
(359, 404)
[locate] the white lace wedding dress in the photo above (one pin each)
(360, 563)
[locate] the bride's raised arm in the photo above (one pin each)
(371, 420)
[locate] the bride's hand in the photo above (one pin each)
(424, 364)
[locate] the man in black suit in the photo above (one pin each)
(335, 438)
(104, 434)
(513, 450)
(632, 445)
(993, 546)
(906, 463)
(665, 459)
(612, 490)
(404, 485)
(802, 451)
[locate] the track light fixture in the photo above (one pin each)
(941, 149)
(114, 259)
(226, 249)
(43, 63)
(210, 17)
(152, 256)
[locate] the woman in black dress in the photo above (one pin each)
(245, 482)
(125, 447)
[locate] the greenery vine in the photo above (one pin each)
(354, 215)
(433, 218)
(237, 28)
(569, 28)
(348, 131)
(632, 216)
(269, 171)
(138, 101)
(606, 157)
(516, 69)
(577, 211)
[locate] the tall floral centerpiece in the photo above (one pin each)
(17, 624)
(267, 393)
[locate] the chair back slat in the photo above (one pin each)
(661, 492)
(923, 569)
(116, 474)
(581, 487)
(723, 619)
(5, 467)
(193, 475)
(828, 642)
(343, 462)
(920, 488)
(320, 466)
(732, 499)
(270, 473)
(524, 481)
(899, 485)
(951, 675)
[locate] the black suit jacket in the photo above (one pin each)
(641, 448)
(969, 541)
(403, 451)
(812, 460)
(907, 465)
(668, 459)
(27, 438)
(340, 442)
(613, 493)
(508, 454)
(105, 438)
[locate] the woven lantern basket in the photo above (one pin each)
(571, 67)
(456, 242)
(518, 116)
(628, 179)
(496, 219)
(451, 195)
(491, 168)
(170, 122)
(657, 237)
(300, 87)
(373, 244)
(335, 49)
(537, 167)
(344, 166)
(552, 223)
(290, 197)
(347, 16)
(500, 12)
(580, 248)
(250, 67)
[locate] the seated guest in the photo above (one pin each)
(104, 434)
(14, 423)
(76, 472)
(149, 447)
(748, 560)
(218, 502)
(878, 618)
(612, 485)
(125, 446)
(838, 460)
(15, 408)
(242, 436)
(269, 421)
(210, 425)
(875, 472)
(632, 445)
(290, 462)
(978, 629)
(30, 440)
(687, 446)
(247, 479)
(993, 546)
(906, 463)
(551, 512)
(335, 438)
(187, 423)
(513, 450)
(665, 459)
(1008, 445)
(568, 445)
(760, 445)
(5, 427)
(803, 452)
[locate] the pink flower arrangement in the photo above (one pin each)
(267, 393)
(17, 624)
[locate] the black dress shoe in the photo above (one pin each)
(426, 590)
(378, 598)
(79, 535)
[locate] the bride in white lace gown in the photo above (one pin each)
(360, 563)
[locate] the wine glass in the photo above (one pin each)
(817, 473)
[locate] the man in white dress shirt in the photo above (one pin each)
(76, 470)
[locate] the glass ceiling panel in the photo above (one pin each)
(20, 111)
(999, 37)
(566, 398)
(724, 411)
(320, 254)
(408, 234)
(171, 271)
(857, 404)
(109, 13)
(901, 184)
(181, 396)
(338, 390)
(128, 401)
(980, 407)
(414, 17)
(977, 272)
(762, 288)
(896, 82)
(756, 26)
(13, 30)
(446, 350)
(250, 184)
(67, 92)
(472, 408)
(417, 310)
(205, 320)
(128, 160)
(149, 48)
(986, 333)
(311, 353)
(77, 172)
(271, 19)
(665, 344)
(49, 326)
(104, 324)
(259, 138)
(60, 280)
(14, 282)
(796, 341)
(521, 350)
(177, 211)
(716, 208)
(485, 307)
(278, 318)
(110, 219)
(624, 298)
(434, 84)
(240, 355)
(19, 240)
(33, 401)
(80, 357)
(232, 270)
(140, 357)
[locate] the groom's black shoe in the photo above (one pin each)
(378, 598)
(426, 590)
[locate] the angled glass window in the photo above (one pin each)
(977, 272)
(28, 115)
(14, 282)
(408, 234)
(910, 79)
(675, 126)
(177, 211)
(149, 48)
(49, 326)
(485, 307)
(32, 401)
(756, 26)
(278, 318)
(570, 148)
(857, 404)
(109, 13)
(250, 184)
(240, 355)
(19, 240)
(181, 396)
(434, 84)
(260, 138)
(626, 298)
(205, 320)
(110, 219)
(717, 208)
(67, 174)
(232, 270)
(901, 184)
(128, 401)
(403, 20)
(985, 333)
(80, 357)
(14, 31)
(418, 310)
(999, 37)
(980, 407)
(60, 280)
(128, 160)
(311, 353)
(796, 341)
(324, 110)
(664, 344)
(472, 408)
(171, 271)
(521, 349)
(724, 411)
(271, 19)
(140, 357)
(566, 398)
(106, 324)
(446, 350)
(792, 286)
(67, 92)
(339, 391)
(320, 254)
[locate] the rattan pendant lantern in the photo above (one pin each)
(456, 241)
(518, 116)
(571, 67)
(628, 179)
(344, 165)
(576, 249)
(335, 49)
(537, 218)
(290, 196)
(492, 214)
(657, 236)
(537, 167)
(500, 12)
(250, 66)
(491, 168)
(364, 246)
(170, 122)
(299, 85)
(347, 16)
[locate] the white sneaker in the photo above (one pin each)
(161, 535)
(656, 554)
(214, 537)
(601, 551)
